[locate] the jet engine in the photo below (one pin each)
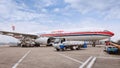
(45, 41)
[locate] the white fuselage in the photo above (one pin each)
(83, 38)
(77, 36)
(43, 40)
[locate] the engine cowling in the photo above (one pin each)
(42, 40)
(45, 41)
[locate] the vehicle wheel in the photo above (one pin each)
(62, 49)
(57, 49)
(78, 48)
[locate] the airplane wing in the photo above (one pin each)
(18, 35)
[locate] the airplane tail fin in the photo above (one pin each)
(13, 27)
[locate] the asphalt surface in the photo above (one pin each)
(48, 57)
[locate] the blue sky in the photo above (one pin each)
(34, 16)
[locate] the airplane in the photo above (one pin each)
(48, 39)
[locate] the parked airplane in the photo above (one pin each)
(48, 39)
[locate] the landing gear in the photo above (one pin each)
(71, 48)
(22, 46)
(93, 45)
(37, 44)
(49, 45)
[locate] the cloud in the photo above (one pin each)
(36, 16)
(109, 8)
(6, 8)
(12, 10)
(56, 10)
(15, 14)
(24, 27)
(114, 13)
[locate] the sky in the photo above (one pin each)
(36, 16)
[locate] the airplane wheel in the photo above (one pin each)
(22, 45)
(37, 45)
(71, 48)
(49, 45)
(93, 44)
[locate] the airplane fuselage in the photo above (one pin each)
(80, 36)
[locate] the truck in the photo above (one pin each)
(112, 48)
(60, 45)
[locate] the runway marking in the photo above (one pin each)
(91, 63)
(15, 65)
(108, 57)
(101, 52)
(71, 58)
(86, 62)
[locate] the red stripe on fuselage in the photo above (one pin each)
(78, 33)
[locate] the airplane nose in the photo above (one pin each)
(111, 33)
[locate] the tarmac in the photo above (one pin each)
(48, 57)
